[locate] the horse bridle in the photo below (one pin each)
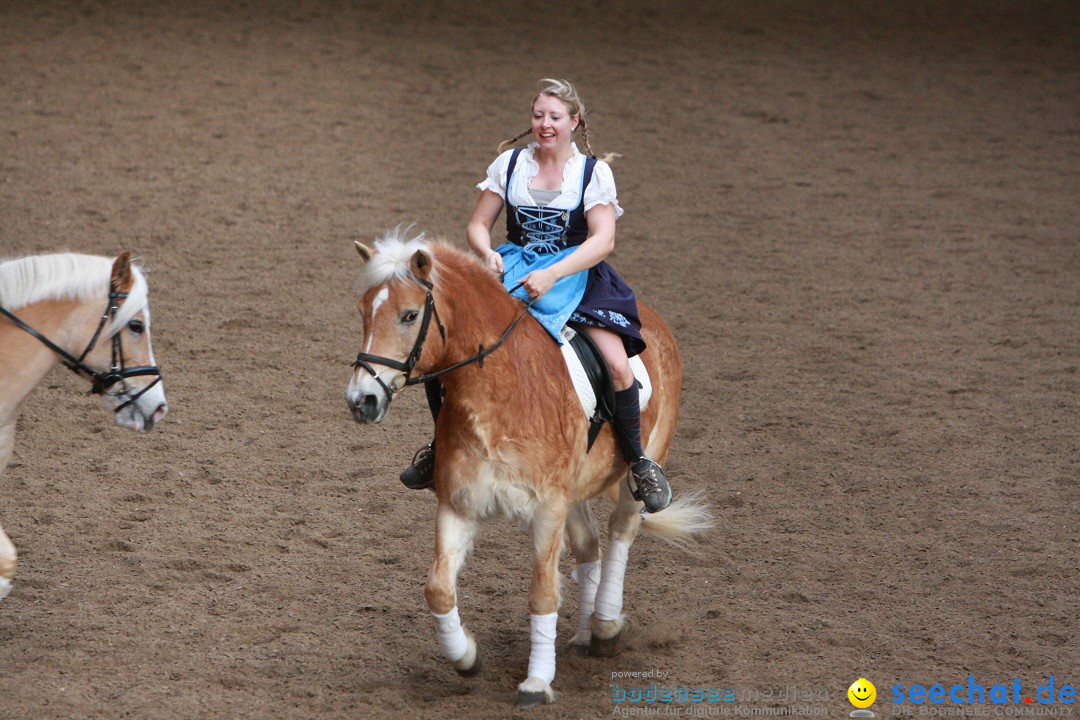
(363, 358)
(117, 372)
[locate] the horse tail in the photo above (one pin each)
(681, 523)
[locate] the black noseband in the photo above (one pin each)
(414, 356)
(363, 358)
(102, 380)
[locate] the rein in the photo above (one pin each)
(117, 372)
(414, 356)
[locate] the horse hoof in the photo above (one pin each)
(475, 668)
(581, 637)
(579, 644)
(534, 691)
(531, 699)
(605, 648)
(5, 587)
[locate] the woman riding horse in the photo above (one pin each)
(561, 208)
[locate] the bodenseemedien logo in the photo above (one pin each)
(862, 694)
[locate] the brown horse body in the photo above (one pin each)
(511, 440)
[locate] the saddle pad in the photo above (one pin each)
(581, 381)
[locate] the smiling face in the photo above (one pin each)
(553, 124)
(862, 693)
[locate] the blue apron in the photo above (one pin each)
(538, 237)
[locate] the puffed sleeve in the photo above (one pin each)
(496, 175)
(601, 189)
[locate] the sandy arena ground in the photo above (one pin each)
(859, 218)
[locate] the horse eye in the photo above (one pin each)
(137, 326)
(409, 317)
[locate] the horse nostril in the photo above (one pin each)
(367, 407)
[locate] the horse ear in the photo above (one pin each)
(122, 277)
(420, 265)
(364, 250)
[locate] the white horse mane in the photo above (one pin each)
(393, 251)
(68, 276)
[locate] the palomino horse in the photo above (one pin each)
(56, 308)
(510, 439)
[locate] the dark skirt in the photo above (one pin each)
(609, 303)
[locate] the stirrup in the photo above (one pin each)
(652, 487)
(421, 474)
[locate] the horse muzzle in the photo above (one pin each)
(367, 408)
(368, 395)
(140, 411)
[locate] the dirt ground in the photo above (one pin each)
(860, 220)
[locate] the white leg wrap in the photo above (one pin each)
(542, 654)
(5, 587)
(609, 596)
(587, 576)
(451, 635)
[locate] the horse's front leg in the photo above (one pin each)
(7, 549)
(7, 564)
(547, 530)
(453, 541)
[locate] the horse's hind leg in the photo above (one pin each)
(7, 564)
(585, 544)
(453, 540)
(547, 530)
(608, 620)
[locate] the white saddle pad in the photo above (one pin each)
(581, 380)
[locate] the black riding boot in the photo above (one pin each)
(650, 483)
(421, 474)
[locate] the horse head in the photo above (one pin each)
(124, 371)
(397, 307)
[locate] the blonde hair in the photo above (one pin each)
(565, 91)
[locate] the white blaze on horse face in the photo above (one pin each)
(379, 299)
(363, 384)
(149, 409)
(387, 335)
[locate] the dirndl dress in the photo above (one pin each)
(539, 236)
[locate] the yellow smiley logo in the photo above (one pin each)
(862, 693)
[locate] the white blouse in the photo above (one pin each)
(601, 189)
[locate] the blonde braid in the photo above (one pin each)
(507, 143)
(608, 157)
(585, 137)
(564, 91)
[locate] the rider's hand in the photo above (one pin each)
(538, 282)
(494, 262)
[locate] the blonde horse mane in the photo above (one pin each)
(395, 249)
(64, 276)
(391, 259)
